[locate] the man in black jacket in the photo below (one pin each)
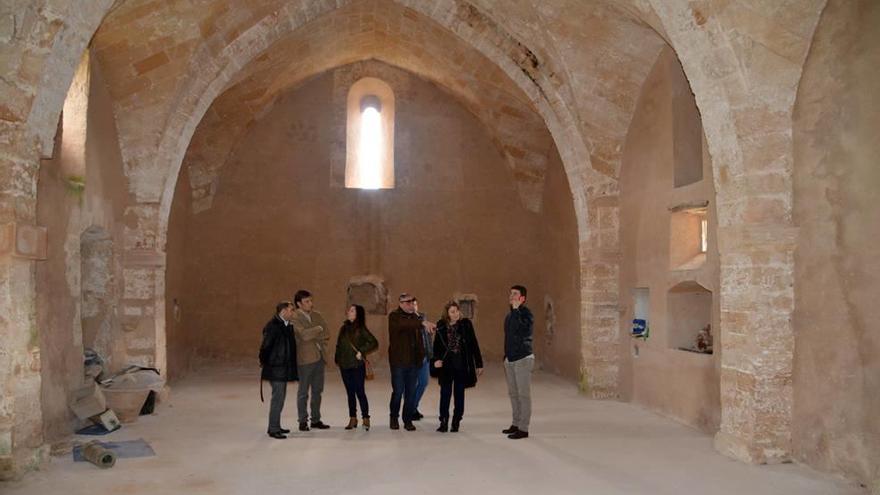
(278, 363)
(519, 362)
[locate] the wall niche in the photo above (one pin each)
(688, 235)
(549, 320)
(467, 303)
(370, 292)
(687, 130)
(689, 313)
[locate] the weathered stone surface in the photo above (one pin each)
(574, 69)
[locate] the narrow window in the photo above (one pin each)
(704, 235)
(369, 162)
(370, 146)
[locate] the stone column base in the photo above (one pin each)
(13, 467)
(739, 449)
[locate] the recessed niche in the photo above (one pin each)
(687, 131)
(641, 309)
(689, 314)
(549, 320)
(688, 236)
(370, 292)
(467, 303)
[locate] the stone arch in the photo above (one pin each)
(752, 176)
(517, 130)
(67, 47)
(596, 225)
(713, 62)
(193, 101)
(43, 55)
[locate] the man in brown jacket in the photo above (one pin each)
(312, 340)
(405, 354)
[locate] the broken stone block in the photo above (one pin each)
(88, 401)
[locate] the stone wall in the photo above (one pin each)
(454, 223)
(82, 194)
(558, 352)
(657, 374)
(179, 341)
(743, 60)
(837, 346)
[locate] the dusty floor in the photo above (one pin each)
(210, 438)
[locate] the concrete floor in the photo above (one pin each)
(210, 438)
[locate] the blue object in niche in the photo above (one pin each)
(640, 326)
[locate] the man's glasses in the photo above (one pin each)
(408, 301)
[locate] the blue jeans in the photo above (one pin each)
(403, 383)
(422, 383)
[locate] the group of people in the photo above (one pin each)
(295, 342)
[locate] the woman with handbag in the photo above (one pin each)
(354, 343)
(457, 363)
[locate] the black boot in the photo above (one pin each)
(455, 422)
(444, 425)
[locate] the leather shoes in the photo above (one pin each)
(278, 435)
(518, 434)
(303, 426)
(318, 425)
(512, 429)
(395, 424)
(417, 416)
(408, 426)
(284, 430)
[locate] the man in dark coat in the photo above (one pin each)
(406, 352)
(278, 363)
(519, 360)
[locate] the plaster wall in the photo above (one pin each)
(179, 341)
(558, 345)
(454, 223)
(836, 414)
(676, 383)
(67, 209)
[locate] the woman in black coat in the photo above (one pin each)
(457, 362)
(354, 343)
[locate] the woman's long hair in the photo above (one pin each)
(446, 307)
(360, 318)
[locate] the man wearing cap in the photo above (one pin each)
(406, 352)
